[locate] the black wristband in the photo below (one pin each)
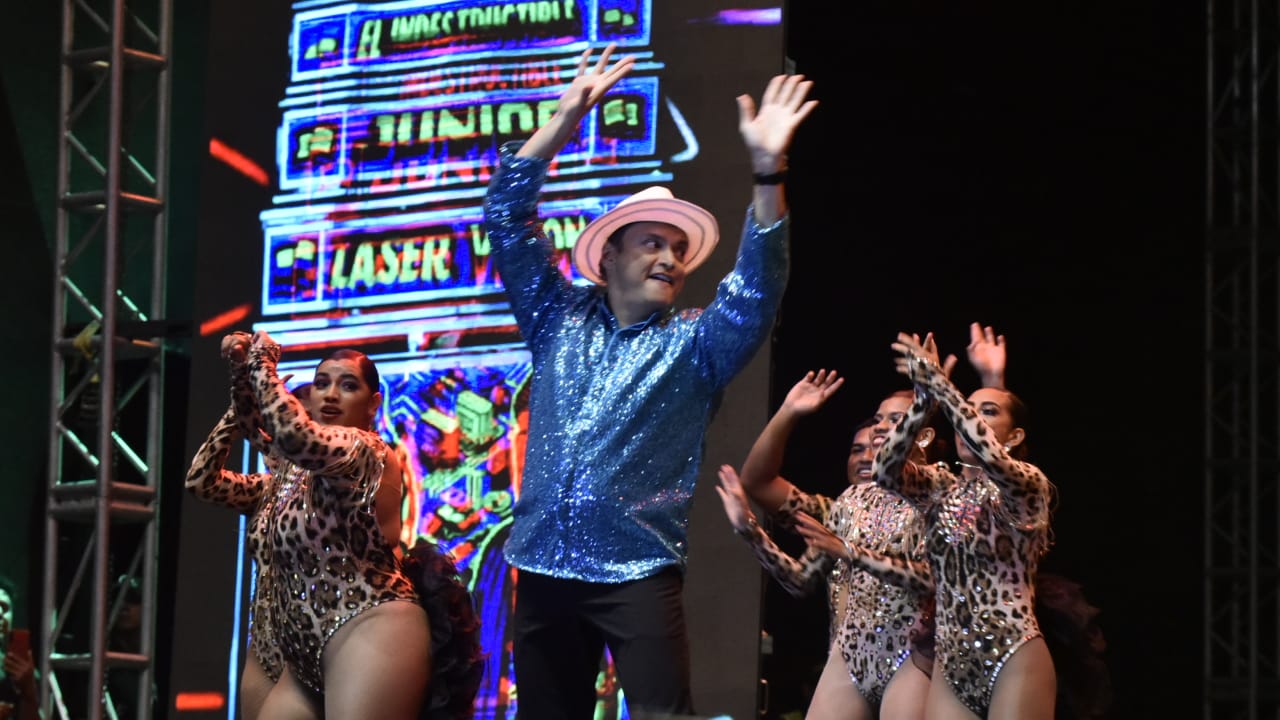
(775, 178)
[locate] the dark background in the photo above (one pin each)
(1037, 167)
(1033, 166)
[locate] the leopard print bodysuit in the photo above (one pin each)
(329, 561)
(209, 481)
(985, 536)
(870, 619)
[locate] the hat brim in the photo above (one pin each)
(696, 223)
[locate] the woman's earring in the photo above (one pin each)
(1007, 447)
(922, 443)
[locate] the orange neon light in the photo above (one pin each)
(189, 701)
(237, 161)
(224, 320)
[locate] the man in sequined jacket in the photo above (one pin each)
(624, 387)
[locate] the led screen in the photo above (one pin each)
(379, 140)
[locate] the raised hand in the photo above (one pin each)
(818, 536)
(589, 86)
(263, 344)
(736, 505)
(916, 357)
(812, 391)
(987, 354)
(767, 131)
(235, 346)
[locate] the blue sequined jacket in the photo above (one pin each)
(617, 415)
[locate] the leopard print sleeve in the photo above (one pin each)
(799, 501)
(913, 575)
(248, 417)
(209, 480)
(892, 470)
(329, 450)
(1025, 492)
(798, 577)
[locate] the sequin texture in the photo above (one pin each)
(617, 414)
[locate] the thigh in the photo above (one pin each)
(943, 703)
(836, 697)
(644, 626)
(1026, 688)
(254, 688)
(376, 666)
(906, 694)
(289, 700)
(556, 653)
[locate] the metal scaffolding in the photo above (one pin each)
(1242, 362)
(97, 621)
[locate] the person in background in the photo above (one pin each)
(19, 699)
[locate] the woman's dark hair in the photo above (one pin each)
(940, 447)
(368, 371)
(869, 422)
(1021, 417)
(456, 659)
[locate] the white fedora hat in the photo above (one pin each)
(653, 204)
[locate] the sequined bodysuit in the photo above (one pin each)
(328, 559)
(985, 536)
(870, 618)
(208, 481)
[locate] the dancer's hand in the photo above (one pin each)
(736, 505)
(812, 391)
(987, 354)
(818, 536)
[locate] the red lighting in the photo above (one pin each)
(195, 701)
(237, 161)
(222, 321)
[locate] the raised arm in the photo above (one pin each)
(208, 478)
(589, 86)
(1024, 489)
(235, 350)
(331, 450)
(892, 468)
(767, 134)
(797, 577)
(760, 471)
(743, 312)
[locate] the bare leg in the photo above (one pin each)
(1026, 688)
(836, 697)
(943, 704)
(254, 688)
(289, 700)
(905, 697)
(377, 665)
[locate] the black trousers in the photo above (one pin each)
(561, 628)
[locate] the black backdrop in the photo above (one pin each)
(1037, 167)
